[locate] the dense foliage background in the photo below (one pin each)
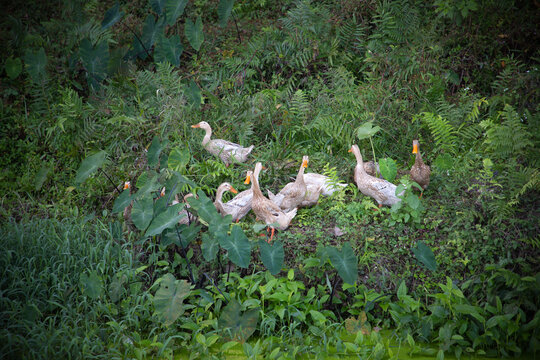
(455, 271)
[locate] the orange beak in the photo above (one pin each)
(304, 163)
(248, 179)
(196, 126)
(414, 149)
(127, 185)
(162, 193)
(350, 150)
(233, 190)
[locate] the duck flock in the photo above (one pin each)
(278, 210)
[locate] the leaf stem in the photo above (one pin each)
(107, 176)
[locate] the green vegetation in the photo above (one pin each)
(97, 94)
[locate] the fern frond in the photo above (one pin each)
(443, 132)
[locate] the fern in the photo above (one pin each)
(443, 132)
(508, 139)
(299, 105)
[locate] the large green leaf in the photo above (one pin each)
(204, 206)
(13, 67)
(168, 49)
(189, 233)
(158, 6)
(345, 262)
(112, 16)
(194, 33)
(425, 255)
(238, 247)
(91, 284)
(220, 225)
(147, 182)
(224, 11)
(41, 177)
(169, 297)
(193, 94)
(174, 9)
(35, 62)
(89, 165)
(154, 151)
(235, 325)
(210, 246)
(122, 201)
(272, 256)
(165, 220)
(116, 287)
(142, 212)
(178, 158)
(366, 130)
(95, 60)
(388, 169)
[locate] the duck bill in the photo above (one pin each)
(248, 179)
(196, 126)
(350, 150)
(304, 163)
(127, 185)
(233, 190)
(415, 149)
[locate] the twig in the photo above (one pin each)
(107, 176)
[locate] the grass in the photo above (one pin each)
(45, 311)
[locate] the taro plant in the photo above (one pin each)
(410, 208)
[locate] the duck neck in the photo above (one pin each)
(300, 176)
(219, 194)
(359, 162)
(418, 156)
(255, 185)
(207, 136)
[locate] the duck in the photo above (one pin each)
(188, 217)
(420, 172)
(382, 191)
(227, 151)
(372, 168)
(324, 183)
(312, 195)
(265, 209)
(239, 206)
(292, 195)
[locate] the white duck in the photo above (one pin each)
(265, 209)
(315, 181)
(239, 206)
(225, 150)
(381, 190)
(294, 193)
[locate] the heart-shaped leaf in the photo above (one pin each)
(178, 159)
(388, 169)
(210, 246)
(91, 284)
(35, 62)
(41, 177)
(112, 16)
(204, 206)
(13, 67)
(235, 325)
(116, 287)
(169, 297)
(194, 33)
(165, 220)
(345, 262)
(174, 9)
(425, 255)
(89, 165)
(193, 94)
(413, 201)
(158, 6)
(238, 247)
(224, 11)
(95, 60)
(366, 130)
(147, 182)
(142, 212)
(220, 225)
(168, 49)
(154, 151)
(272, 256)
(122, 201)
